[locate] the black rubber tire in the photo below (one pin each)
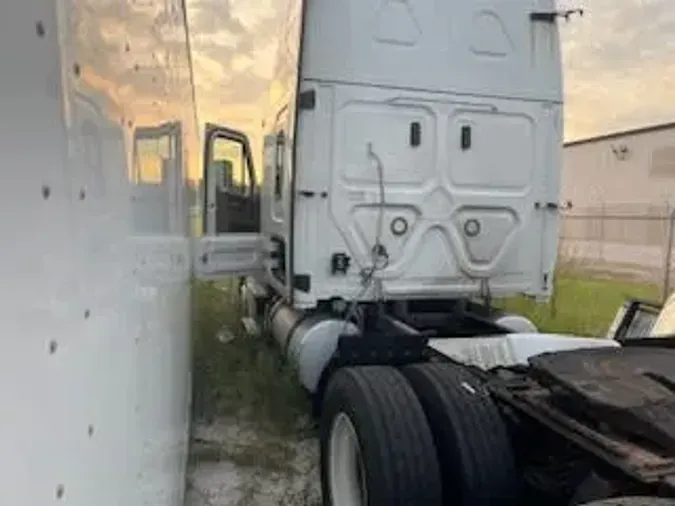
(474, 449)
(396, 444)
(633, 501)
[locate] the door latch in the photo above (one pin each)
(553, 206)
(551, 16)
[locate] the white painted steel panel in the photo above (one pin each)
(512, 349)
(94, 355)
(487, 47)
(357, 151)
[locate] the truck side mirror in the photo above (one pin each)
(231, 196)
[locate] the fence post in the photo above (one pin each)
(601, 248)
(667, 257)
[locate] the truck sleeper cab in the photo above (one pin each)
(427, 149)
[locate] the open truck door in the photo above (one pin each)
(157, 180)
(231, 243)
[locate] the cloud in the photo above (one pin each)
(234, 45)
(233, 42)
(214, 16)
(619, 66)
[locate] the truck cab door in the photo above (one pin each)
(157, 180)
(234, 197)
(231, 244)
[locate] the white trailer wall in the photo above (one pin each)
(94, 320)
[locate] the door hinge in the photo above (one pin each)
(552, 16)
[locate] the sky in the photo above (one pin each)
(619, 62)
(619, 66)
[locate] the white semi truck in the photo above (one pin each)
(410, 175)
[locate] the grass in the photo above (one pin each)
(237, 376)
(245, 382)
(581, 305)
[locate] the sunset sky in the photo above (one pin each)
(620, 66)
(619, 61)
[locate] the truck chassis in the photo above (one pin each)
(573, 427)
(402, 423)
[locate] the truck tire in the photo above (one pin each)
(634, 501)
(376, 446)
(474, 449)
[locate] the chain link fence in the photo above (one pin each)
(633, 241)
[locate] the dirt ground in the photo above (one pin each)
(237, 465)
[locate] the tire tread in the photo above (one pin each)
(397, 445)
(477, 461)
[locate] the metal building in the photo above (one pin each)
(629, 167)
(622, 190)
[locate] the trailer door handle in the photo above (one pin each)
(415, 134)
(465, 141)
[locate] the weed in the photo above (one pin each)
(582, 305)
(239, 376)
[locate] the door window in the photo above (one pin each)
(229, 165)
(231, 200)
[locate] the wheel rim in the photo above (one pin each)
(347, 477)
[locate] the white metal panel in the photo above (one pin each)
(358, 153)
(487, 47)
(229, 254)
(512, 349)
(94, 355)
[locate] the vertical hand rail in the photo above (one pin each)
(667, 258)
